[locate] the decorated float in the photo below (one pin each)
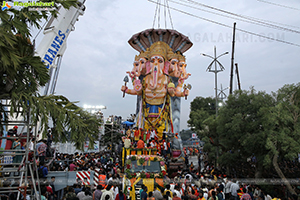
(158, 79)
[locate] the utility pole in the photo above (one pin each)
(238, 76)
(232, 60)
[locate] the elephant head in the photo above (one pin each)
(141, 68)
(139, 65)
(158, 63)
(133, 72)
(174, 71)
(182, 68)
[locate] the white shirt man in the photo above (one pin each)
(227, 188)
(234, 188)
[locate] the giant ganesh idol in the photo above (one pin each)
(158, 76)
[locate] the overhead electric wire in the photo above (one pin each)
(238, 15)
(244, 20)
(280, 5)
(221, 24)
(269, 24)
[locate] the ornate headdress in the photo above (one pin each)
(181, 57)
(159, 48)
(143, 54)
(172, 55)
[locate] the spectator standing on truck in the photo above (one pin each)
(164, 148)
(140, 144)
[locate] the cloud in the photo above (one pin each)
(98, 54)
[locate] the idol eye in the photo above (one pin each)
(136, 64)
(142, 62)
(160, 61)
(152, 61)
(173, 62)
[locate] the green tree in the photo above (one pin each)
(240, 128)
(22, 73)
(282, 124)
(201, 109)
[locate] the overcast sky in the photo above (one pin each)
(98, 54)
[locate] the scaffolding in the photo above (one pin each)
(17, 176)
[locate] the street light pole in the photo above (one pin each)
(216, 80)
(216, 71)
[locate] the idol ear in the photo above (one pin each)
(148, 68)
(166, 67)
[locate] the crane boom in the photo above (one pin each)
(53, 44)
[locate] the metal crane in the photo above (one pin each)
(54, 43)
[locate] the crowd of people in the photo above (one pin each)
(200, 181)
(188, 183)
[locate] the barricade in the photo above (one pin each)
(67, 178)
(96, 177)
(84, 175)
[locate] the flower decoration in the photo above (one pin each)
(128, 161)
(143, 175)
(147, 175)
(164, 173)
(162, 163)
(133, 158)
(142, 161)
(160, 175)
(128, 166)
(147, 158)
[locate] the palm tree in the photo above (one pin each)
(23, 73)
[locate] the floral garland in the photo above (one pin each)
(164, 117)
(142, 159)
